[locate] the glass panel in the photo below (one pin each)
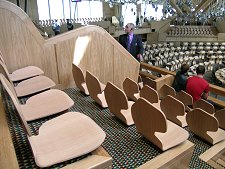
(43, 11)
(152, 11)
(129, 12)
(68, 15)
(56, 9)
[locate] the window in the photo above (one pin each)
(129, 13)
(64, 9)
(153, 11)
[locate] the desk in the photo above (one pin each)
(220, 75)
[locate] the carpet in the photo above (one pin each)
(127, 148)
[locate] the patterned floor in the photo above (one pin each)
(127, 148)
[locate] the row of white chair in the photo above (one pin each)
(70, 126)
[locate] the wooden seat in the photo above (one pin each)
(186, 99)
(220, 115)
(23, 73)
(153, 125)
(63, 138)
(96, 89)
(79, 79)
(204, 105)
(166, 90)
(29, 86)
(140, 82)
(41, 105)
(118, 103)
(131, 89)
(174, 110)
(150, 95)
(205, 126)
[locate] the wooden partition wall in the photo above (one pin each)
(90, 47)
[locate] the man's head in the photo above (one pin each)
(184, 68)
(129, 28)
(200, 70)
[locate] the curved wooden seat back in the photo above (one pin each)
(140, 82)
(173, 108)
(149, 94)
(1, 58)
(4, 71)
(148, 120)
(131, 88)
(94, 88)
(79, 78)
(204, 105)
(148, 81)
(185, 98)
(200, 122)
(166, 90)
(116, 100)
(220, 115)
(10, 90)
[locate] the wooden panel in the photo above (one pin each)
(95, 50)
(49, 63)
(172, 158)
(99, 159)
(7, 152)
(93, 161)
(21, 45)
(64, 55)
(123, 68)
(210, 153)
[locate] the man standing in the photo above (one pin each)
(69, 25)
(56, 27)
(198, 87)
(132, 42)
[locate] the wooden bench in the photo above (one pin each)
(213, 88)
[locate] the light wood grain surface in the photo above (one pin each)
(91, 47)
(7, 153)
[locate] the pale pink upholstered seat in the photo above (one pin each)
(96, 89)
(205, 125)
(63, 138)
(23, 73)
(174, 110)
(131, 89)
(41, 105)
(118, 103)
(28, 86)
(150, 95)
(79, 79)
(153, 125)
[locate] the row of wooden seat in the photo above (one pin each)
(50, 22)
(173, 60)
(190, 31)
(130, 112)
(175, 107)
(71, 124)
